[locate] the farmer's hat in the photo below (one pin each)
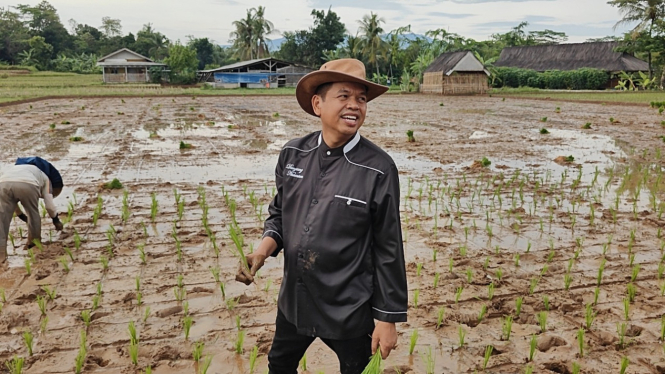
(47, 168)
(343, 70)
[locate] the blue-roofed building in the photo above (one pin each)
(260, 73)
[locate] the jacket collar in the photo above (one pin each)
(348, 147)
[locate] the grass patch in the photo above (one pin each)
(113, 185)
(640, 97)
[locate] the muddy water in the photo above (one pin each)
(463, 225)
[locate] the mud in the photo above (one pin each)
(520, 226)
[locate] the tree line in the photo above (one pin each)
(35, 36)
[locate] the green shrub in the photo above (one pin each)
(581, 79)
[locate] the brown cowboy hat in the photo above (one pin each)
(342, 70)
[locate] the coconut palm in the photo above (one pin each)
(374, 47)
(243, 37)
(644, 12)
(261, 29)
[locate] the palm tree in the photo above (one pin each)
(261, 28)
(395, 43)
(353, 47)
(645, 12)
(243, 37)
(373, 46)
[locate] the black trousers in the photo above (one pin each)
(288, 347)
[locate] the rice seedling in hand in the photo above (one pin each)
(488, 354)
(375, 365)
(28, 339)
(461, 335)
(507, 327)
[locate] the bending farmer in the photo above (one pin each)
(30, 179)
(336, 216)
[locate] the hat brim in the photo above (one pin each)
(308, 84)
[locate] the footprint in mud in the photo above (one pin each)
(547, 341)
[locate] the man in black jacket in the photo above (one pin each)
(336, 216)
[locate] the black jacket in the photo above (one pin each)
(336, 215)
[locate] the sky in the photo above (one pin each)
(478, 19)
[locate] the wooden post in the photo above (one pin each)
(104, 74)
(125, 74)
(146, 75)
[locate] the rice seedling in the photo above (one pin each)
(416, 295)
(482, 313)
(507, 327)
(621, 331)
(580, 341)
(596, 293)
(533, 343)
(533, 285)
(624, 364)
(635, 272)
(542, 320)
(458, 294)
(15, 365)
(544, 119)
(469, 275)
(85, 316)
(222, 288)
(567, 280)
(517, 260)
(64, 261)
(95, 302)
(203, 369)
(631, 291)
(488, 354)
(528, 369)
(104, 261)
(3, 296)
(154, 207)
(99, 289)
(461, 335)
(180, 293)
(240, 341)
(197, 352)
(439, 317)
(28, 339)
(451, 263)
(41, 303)
(185, 308)
(544, 131)
(186, 325)
(436, 279)
(662, 328)
(50, 292)
(375, 365)
(626, 309)
(419, 268)
(499, 273)
(546, 302)
(518, 306)
(43, 325)
(146, 314)
(134, 353)
(412, 341)
(490, 291)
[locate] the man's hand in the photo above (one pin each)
(23, 217)
(58, 225)
(384, 336)
(255, 261)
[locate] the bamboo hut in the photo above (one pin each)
(455, 73)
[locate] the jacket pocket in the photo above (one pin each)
(350, 201)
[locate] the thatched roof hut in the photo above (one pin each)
(455, 73)
(596, 55)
